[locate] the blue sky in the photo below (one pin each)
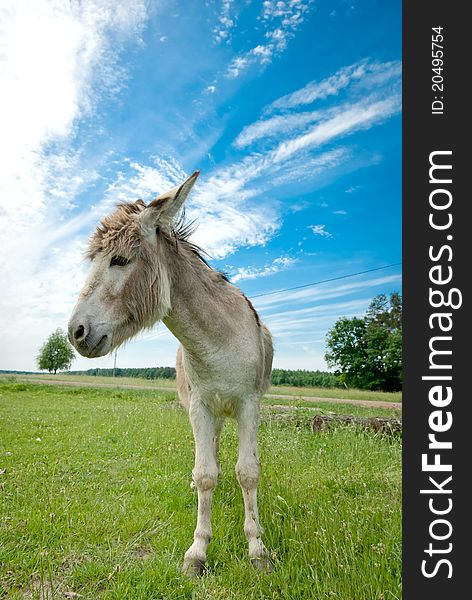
(290, 109)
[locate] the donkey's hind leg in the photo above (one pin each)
(247, 472)
(205, 475)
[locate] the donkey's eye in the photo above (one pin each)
(119, 261)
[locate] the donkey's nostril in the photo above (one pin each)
(79, 333)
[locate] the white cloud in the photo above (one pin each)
(285, 9)
(320, 230)
(237, 66)
(50, 54)
(224, 227)
(222, 204)
(57, 59)
(304, 167)
(269, 128)
(350, 118)
(331, 123)
(293, 138)
(264, 53)
(288, 319)
(325, 291)
(226, 22)
(280, 21)
(276, 266)
(144, 181)
(364, 74)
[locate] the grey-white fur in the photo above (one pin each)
(225, 357)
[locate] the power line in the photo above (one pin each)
(298, 287)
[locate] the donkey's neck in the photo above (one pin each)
(201, 300)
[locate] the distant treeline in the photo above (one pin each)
(144, 373)
(297, 378)
(12, 372)
(301, 378)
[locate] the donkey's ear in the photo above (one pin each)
(163, 209)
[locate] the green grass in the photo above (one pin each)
(327, 407)
(341, 393)
(116, 381)
(95, 499)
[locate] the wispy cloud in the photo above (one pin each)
(223, 200)
(320, 230)
(280, 21)
(269, 128)
(326, 291)
(57, 60)
(226, 22)
(292, 141)
(289, 160)
(283, 18)
(142, 181)
(366, 74)
(276, 266)
(238, 65)
(376, 91)
(225, 225)
(69, 61)
(224, 203)
(349, 119)
(284, 318)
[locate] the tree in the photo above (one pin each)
(56, 353)
(348, 351)
(368, 352)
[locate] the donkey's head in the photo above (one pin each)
(129, 285)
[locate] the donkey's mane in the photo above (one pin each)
(119, 233)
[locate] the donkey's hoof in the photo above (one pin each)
(193, 567)
(262, 564)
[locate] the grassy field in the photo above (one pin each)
(95, 500)
(328, 407)
(352, 394)
(166, 383)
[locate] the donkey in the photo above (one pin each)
(144, 269)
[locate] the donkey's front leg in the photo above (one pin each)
(247, 472)
(219, 423)
(205, 475)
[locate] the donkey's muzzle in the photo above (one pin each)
(87, 342)
(78, 334)
(78, 330)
